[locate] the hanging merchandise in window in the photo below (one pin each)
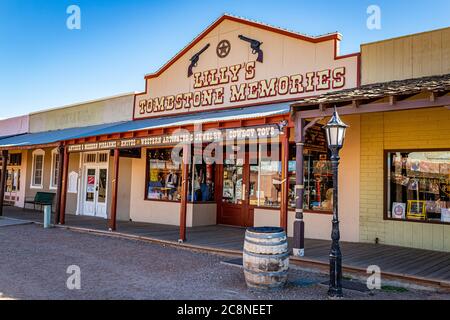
(418, 186)
(163, 176)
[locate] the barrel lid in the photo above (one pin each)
(265, 230)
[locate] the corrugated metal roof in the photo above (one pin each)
(50, 137)
(198, 118)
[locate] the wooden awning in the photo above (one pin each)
(387, 96)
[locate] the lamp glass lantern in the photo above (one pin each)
(335, 130)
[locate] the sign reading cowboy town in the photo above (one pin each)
(236, 65)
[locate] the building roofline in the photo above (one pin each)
(83, 103)
(404, 36)
(202, 35)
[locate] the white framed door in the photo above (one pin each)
(95, 191)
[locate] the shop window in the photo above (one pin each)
(103, 157)
(163, 176)
(418, 186)
(55, 169)
(265, 178)
(13, 180)
(37, 172)
(201, 181)
(233, 181)
(318, 180)
(15, 159)
(90, 158)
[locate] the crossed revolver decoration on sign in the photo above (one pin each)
(224, 48)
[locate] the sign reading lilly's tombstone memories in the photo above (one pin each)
(294, 67)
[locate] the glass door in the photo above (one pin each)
(90, 192)
(95, 192)
(235, 192)
(102, 193)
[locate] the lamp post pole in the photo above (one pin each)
(335, 289)
(335, 130)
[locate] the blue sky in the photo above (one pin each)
(43, 64)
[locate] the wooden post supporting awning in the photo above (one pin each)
(3, 179)
(284, 179)
(61, 155)
(62, 209)
(112, 223)
(184, 191)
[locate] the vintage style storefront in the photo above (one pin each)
(225, 96)
(401, 113)
(226, 107)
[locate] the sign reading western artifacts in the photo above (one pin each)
(232, 70)
(249, 133)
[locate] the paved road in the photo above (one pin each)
(34, 261)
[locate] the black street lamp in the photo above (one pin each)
(335, 130)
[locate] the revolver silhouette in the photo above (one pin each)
(195, 58)
(255, 45)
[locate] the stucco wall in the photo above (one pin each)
(72, 198)
(13, 126)
(30, 191)
(416, 129)
(124, 191)
(110, 110)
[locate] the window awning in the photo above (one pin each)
(53, 137)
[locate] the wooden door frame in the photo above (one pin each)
(247, 215)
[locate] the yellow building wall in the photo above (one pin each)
(413, 56)
(416, 129)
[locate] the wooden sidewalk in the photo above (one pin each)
(426, 265)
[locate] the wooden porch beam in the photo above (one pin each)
(184, 191)
(284, 179)
(392, 100)
(3, 179)
(112, 223)
(380, 107)
(65, 173)
(60, 183)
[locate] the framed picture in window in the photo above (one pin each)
(399, 210)
(445, 215)
(417, 209)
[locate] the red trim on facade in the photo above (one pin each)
(335, 37)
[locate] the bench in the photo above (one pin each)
(41, 199)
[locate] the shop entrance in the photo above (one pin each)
(234, 207)
(95, 191)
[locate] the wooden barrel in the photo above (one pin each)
(266, 258)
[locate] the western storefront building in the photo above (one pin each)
(401, 116)
(213, 139)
